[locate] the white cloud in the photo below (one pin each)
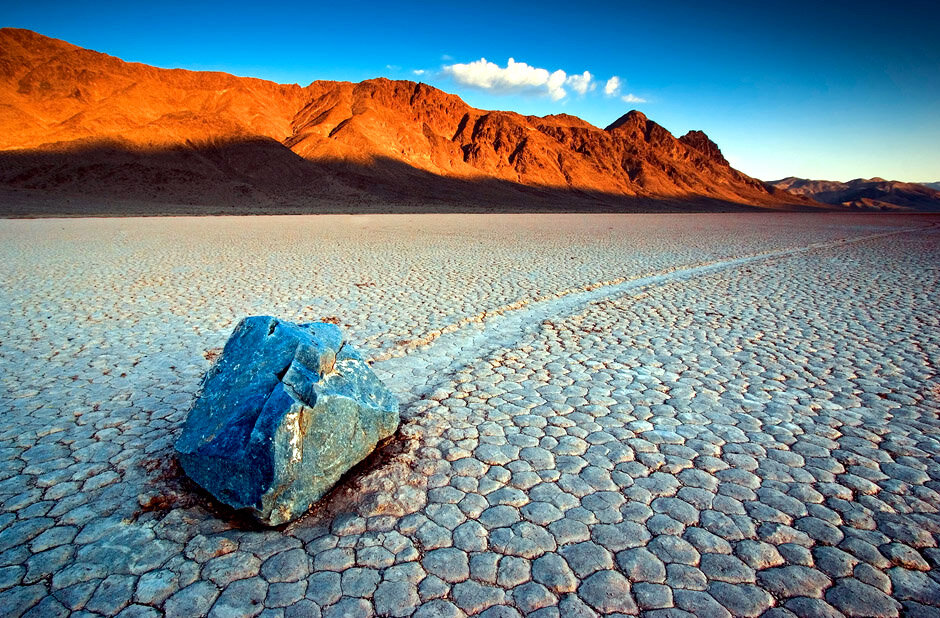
(419, 71)
(393, 67)
(554, 84)
(519, 77)
(581, 83)
(612, 87)
(514, 77)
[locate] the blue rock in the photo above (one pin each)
(285, 411)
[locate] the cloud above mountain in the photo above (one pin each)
(515, 77)
(519, 78)
(582, 83)
(612, 89)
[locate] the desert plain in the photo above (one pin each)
(663, 415)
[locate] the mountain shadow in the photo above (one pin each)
(262, 176)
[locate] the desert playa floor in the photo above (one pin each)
(675, 415)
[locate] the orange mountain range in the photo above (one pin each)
(92, 128)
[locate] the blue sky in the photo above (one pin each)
(834, 90)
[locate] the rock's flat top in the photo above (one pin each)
(761, 435)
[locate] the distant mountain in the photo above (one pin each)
(865, 194)
(932, 185)
(82, 124)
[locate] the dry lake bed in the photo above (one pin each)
(680, 415)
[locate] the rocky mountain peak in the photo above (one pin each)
(701, 142)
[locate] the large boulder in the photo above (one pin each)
(285, 411)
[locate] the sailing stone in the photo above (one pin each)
(286, 410)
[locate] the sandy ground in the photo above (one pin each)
(667, 415)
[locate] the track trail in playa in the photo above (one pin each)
(415, 370)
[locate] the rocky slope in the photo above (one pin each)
(82, 124)
(865, 193)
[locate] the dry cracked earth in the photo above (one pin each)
(688, 415)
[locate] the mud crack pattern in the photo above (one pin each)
(696, 416)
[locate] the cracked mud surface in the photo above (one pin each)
(665, 416)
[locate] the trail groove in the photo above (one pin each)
(415, 371)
